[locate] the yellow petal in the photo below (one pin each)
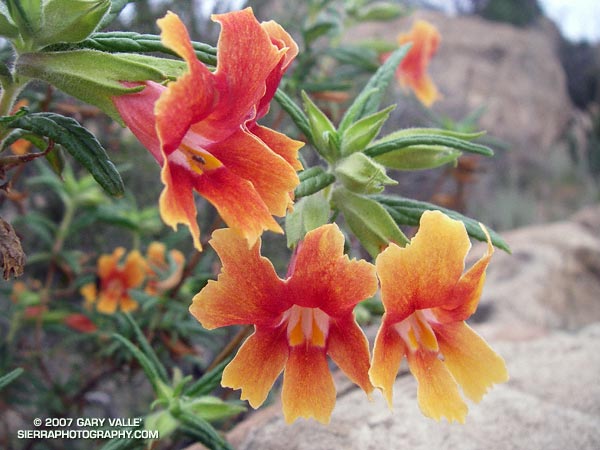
(437, 393)
(387, 355)
(470, 359)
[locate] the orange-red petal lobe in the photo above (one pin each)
(248, 290)
(107, 264)
(347, 345)
(191, 97)
(135, 269)
(246, 57)
(176, 202)
(412, 71)
(474, 365)
(251, 159)
(467, 292)
(437, 393)
(423, 274)
(308, 389)
(323, 277)
(257, 365)
(284, 146)
(388, 352)
(283, 41)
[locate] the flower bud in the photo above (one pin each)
(359, 173)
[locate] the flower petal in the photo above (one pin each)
(257, 365)
(412, 71)
(323, 277)
(190, 98)
(470, 359)
(176, 203)
(108, 263)
(281, 144)
(137, 111)
(467, 292)
(308, 389)
(249, 158)
(248, 290)
(387, 356)
(135, 269)
(347, 345)
(423, 274)
(437, 393)
(237, 202)
(246, 58)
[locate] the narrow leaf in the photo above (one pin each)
(202, 430)
(383, 146)
(79, 142)
(295, 113)
(146, 364)
(10, 377)
(208, 382)
(318, 180)
(408, 212)
(368, 101)
(147, 348)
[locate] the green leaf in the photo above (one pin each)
(318, 29)
(121, 444)
(162, 421)
(27, 16)
(209, 381)
(380, 11)
(370, 222)
(131, 42)
(313, 180)
(11, 376)
(386, 145)
(211, 408)
(8, 28)
(147, 348)
(202, 430)
(309, 213)
(408, 212)
(115, 9)
(79, 142)
(418, 157)
(147, 365)
(70, 20)
(357, 56)
(369, 99)
(96, 77)
(360, 134)
(295, 113)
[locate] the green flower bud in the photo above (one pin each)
(359, 173)
(361, 133)
(163, 422)
(369, 221)
(323, 132)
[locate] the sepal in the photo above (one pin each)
(361, 174)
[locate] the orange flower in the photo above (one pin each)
(115, 280)
(412, 71)
(427, 298)
(202, 128)
(163, 272)
(297, 321)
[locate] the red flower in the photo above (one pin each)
(202, 128)
(427, 298)
(297, 321)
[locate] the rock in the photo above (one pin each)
(541, 312)
(552, 279)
